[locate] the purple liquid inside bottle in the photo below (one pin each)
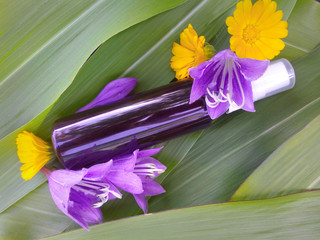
(96, 135)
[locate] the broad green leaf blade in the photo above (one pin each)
(143, 52)
(46, 72)
(28, 25)
(226, 153)
(33, 223)
(146, 56)
(303, 31)
(38, 77)
(293, 167)
(291, 217)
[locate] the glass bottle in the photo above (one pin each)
(143, 120)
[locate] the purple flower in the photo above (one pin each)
(147, 168)
(79, 194)
(112, 92)
(225, 80)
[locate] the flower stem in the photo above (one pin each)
(46, 171)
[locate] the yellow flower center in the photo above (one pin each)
(250, 34)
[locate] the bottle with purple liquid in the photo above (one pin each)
(143, 120)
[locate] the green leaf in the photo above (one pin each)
(43, 52)
(44, 48)
(291, 217)
(146, 56)
(24, 221)
(303, 28)
(293, 167)
(203, 167)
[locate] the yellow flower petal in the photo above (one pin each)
(267, 51)
(252, 51)
(180, 62)
(247, 6)
(256, 11)
(251, 26)
(268, 9)
(235, 42)
(276, 44)
(188, 38)
(181, 51)
(274, 33)
(233, 28)
(33, 152)
(191, 52)
(273, 20)
(239, 14)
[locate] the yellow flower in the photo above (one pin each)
(256, 30)
(33, 152)
(191, 52)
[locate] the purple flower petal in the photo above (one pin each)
(225, 80)
(225, 54)
(67, 178)
(242, 91)
(148, 168)
(218, 111)
(156, 163)
(125, 163)
(248, 102)
(202, 79)
(79, 194)
(148, 152)
(60, 195)
(112, 92)
(152, 188)
(81, 211)
(253, 69)
(98, 171)
(126, 181)
(142, 202)
(113, 190)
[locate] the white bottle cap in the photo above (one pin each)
(278, 77)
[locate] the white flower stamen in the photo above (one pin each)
(229, 67)
(147, 169)
(98, 189)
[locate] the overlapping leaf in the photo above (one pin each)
(41, 53)
(293, 167)
(61, 35)
(290, 217)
